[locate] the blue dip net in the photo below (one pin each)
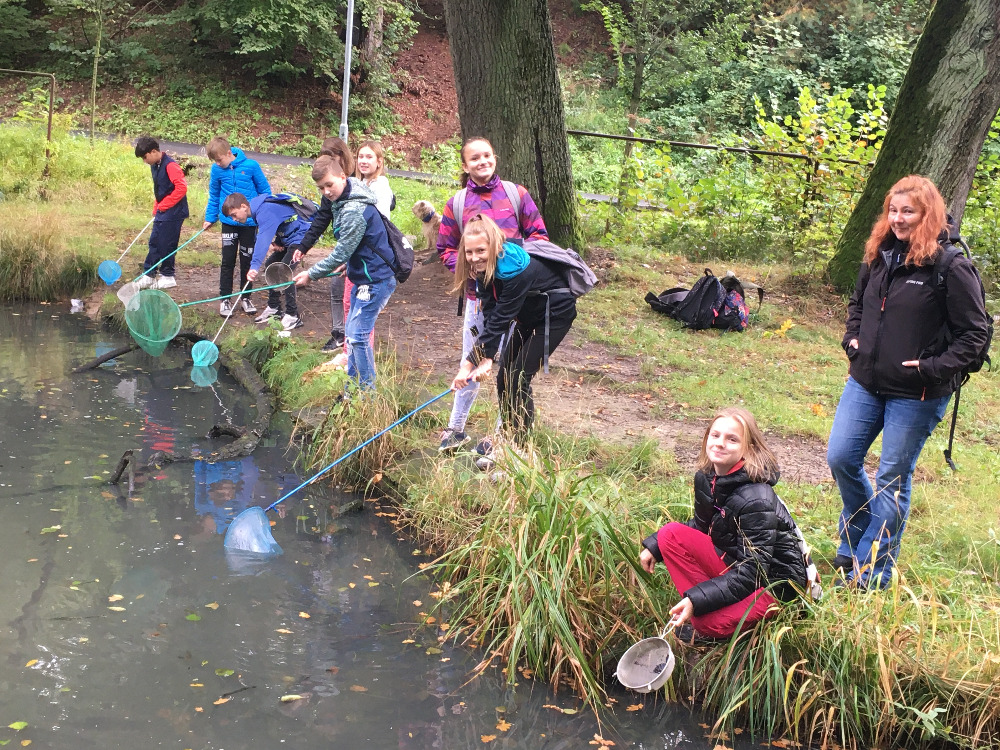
(250, 531)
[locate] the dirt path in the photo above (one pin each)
(591, 389)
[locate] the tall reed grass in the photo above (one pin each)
(35, 263)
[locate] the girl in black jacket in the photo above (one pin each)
(739, 557)
(907, 343)
(526, 305)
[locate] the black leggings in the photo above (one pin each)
(236, 240)
(521, 359)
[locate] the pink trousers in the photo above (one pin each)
(691, 559)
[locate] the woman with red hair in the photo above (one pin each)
(907, 345)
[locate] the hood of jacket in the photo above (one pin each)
(238, 158)
(728, 483)
(511, 261)
(356, 191)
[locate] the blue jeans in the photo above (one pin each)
(359, 326)
(872, 522)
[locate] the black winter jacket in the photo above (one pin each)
(897, 316)
(754, 533)
(521, 297)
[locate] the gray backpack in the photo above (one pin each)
(580, 279)
(512, 195)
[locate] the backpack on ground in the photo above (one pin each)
(458, 205)
(711, 303)
(304, 208)
(580, 279)
(402, 251)
(957, 247)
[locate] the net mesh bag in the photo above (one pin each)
(153, 319)
(250, 531)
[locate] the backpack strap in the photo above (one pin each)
(942, 265)
(458, 207)
(515, 200)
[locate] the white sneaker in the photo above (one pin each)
(269, 312)
(248, 306)
(165, 282)
(291, 322)
(145, 282)
(226, 308)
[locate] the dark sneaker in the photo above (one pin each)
(484, 447)
(336, 343)
(452, 440)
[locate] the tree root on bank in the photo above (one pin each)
(246, 437)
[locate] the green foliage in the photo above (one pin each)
(35, 263)
(18, 35)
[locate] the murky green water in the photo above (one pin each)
(124, 625)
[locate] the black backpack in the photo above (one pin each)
(704, 305)
(943, 263)
(402, 251)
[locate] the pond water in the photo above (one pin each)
(124, 625)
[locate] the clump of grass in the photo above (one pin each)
(35, 264)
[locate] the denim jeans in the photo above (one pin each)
(465, 398)
(873, 520)
(360, 324)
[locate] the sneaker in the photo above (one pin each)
(165, 282)
(269, 312)
(248, 306)
(335, 343)
(484, 447)
(291, 322)
(145, 282)
(452, 439)
(486, 463)
(226, 308)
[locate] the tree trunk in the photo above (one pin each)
(949, 97)
(508, 91)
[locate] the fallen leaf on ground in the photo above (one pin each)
(359, 689)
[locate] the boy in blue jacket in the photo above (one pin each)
(363, 245)
(233, 172)
(280, 230)
(169, 211)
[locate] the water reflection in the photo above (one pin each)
(130, 626)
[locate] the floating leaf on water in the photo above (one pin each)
(32, 663)
(372, 584)
(488, 738)
(503, 726)
(197, 684)
(204, 662)
(409, 640)
(50, 529)
(117, 609)
(219, 702)
(17, 726)
(352, 585)
(223, 672)
(192, 617)
(433, 650)
(115, 598)
(290, 698)
(417, 603)
(359, 689)
(212, 605)
(634, 707)
(25, 743)
(199, 709)
(286, 631)
(304, 615)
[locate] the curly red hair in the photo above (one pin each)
(924, 240)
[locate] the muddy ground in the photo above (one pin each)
(591, 390)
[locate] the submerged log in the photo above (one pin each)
(247, 437)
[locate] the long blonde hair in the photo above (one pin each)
(479, 225)
(759, 462)
(924, 240)
(379, 152)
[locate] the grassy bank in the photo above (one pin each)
(538, 568)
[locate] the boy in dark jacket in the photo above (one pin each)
(280, 230)
(169, 211)
(362, 249)
(233, 172)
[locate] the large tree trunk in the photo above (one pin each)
(508, 91)
(949, 97)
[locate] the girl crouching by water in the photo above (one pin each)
(526, 305)
(739, 558)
